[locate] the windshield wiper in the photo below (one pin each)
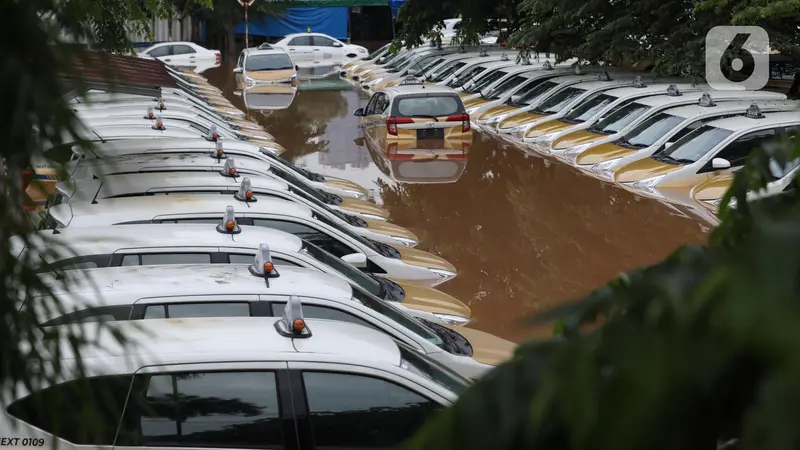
(384, 249)
(625, 143)
(331, 199)
(571, 121)
(355, 221)
(600, 131)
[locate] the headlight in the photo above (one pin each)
(718, 202)
(362, 50)
(249, 81)
(576, 150)
(356, 194)
(374, 217)
(648, 183)
(546, 139)
(452, 320)
(473, 109)
(444, 274)
(374, 82)
(605, 168)
(493, 120)
(405, 241)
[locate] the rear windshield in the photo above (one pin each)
(428, 106)
(269, 62)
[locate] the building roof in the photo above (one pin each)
(122, 70)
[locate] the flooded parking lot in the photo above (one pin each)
(525, 234)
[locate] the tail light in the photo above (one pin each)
(27, 174)
(463, 118)
(392, 122)
(219, 56)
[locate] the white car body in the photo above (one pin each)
(245, 154)
(185, 54)
(405, 264)
(131, 185)
(317, 48)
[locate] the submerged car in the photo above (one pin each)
(265, 65)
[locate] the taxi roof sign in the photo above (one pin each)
(151, 113)
(603, 76)
(262, 265)
(754, 112)
(673, 91)
(577, 70)
(245, 192)
(504, 57)
(229, 169)
(162, 105)
(292, 324)
(409, 80)
(159, 125)
(213, 134)
(229, 225)
(706, 100)
(638, 83)
(218, 152)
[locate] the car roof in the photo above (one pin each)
(220, 339)
(194, 143)
(109, 239)
(651, 89)
(168, 160)
(126, 184)
(729, 106)
(394, 91)
(664, 99)
(122, 131)
(126, 209)
(742, 122)
(294, 35)
(267, 51)
(112, 286)
(499, 64)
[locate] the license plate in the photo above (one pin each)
(430, 133)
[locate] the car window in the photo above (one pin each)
(164, 50)
(447, 70)
(322, 41)
(588, 108)
(204, 409)
(556, 102)
(240, 258)
(486, 80)
(352, 273)
(78, 262)
(152, 259)
(182, 50)
(199, 309)
(736, 152)
(436, 106)
(63, 411)
(275, 61)
(99, 314)
(428, 368)
(215, 221)
(505, 87)
(323, 312)
(695, 144)
(303, 41)
(240, 60)
(382, 103)
(398, 316)
(329, 243)
(355, 411)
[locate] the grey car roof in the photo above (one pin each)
(166, 161)
(743, 123)
(229, 339)
(126, 184)
(196, 279)
(417, 89)
(108, 239)
(729, 106)
(663, 99)
(126, 209)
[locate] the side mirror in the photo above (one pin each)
(359, 141)
(515, 98)
(413, 72)
(720, 163)
(237, 70)
(356, 260)
(338, 44)
(668, 145)
(296, 67)
(359, 112)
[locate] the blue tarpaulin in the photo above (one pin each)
(330, 20)
(395, 5)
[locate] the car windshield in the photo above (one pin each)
(360, 239)
(505, 87)
(777, 172)
(398, 61)
(398, 316)
(352, 273)
(426, 367)
(485, 81)
(619, 119)
(447, 70)
(277, 61)
(532, 92)
(588, 108)
(428, 106)
(694, 145)
(558, 101)
(431, 64)
(420, 64)
(648, 132)
(296, 170)
(377, 52)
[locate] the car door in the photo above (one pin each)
(231, 405)
(325, 50)
(364, 121)
(164, 53)
(340, 406)
(301, 49)
(735, 152)
(184, 55)
(188, 306)
(375, 123)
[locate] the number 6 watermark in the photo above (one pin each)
(740, 51)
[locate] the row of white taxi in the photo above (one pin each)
(665, 138)
(265, 306)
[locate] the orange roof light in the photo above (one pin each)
(232, 171)
(298, 325)
(268, 267)
(230, 225)
(248, 195)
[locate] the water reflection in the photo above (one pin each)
(268, 97)
(524, 233)
(420, 162)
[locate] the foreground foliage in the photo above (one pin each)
(698, 350)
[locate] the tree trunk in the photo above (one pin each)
(230, 42)
(795, 89)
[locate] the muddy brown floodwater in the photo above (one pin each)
(525, 234)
